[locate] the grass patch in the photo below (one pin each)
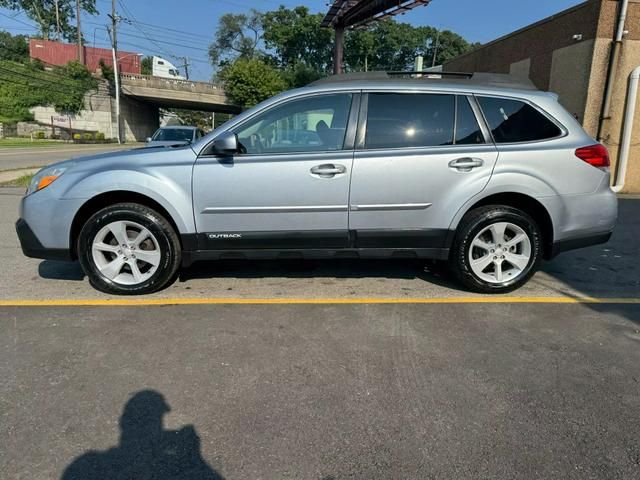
(22, 181)
(27, 142)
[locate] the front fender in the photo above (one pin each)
(170, 187)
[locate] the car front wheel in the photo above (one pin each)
(129, 249)
(496, 250)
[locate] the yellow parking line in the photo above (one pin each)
(145, 301)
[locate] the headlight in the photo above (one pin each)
(46, 177)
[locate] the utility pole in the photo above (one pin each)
(57, 20)
(435, 51)
(185, 65)
(116, 71)
(116, 77)
(79, 28)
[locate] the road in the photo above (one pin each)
(524, 391)
(351, 387)
(14, 157)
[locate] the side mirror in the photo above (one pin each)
(226, 144)
(148, 139)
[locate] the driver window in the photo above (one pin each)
(311, 124)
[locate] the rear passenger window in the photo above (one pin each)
(396, 120)
(513, 121)
(467, 129)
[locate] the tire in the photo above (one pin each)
(145, 262)
(509, 265)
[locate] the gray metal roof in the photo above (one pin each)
(457, 79)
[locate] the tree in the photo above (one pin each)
(237, 36)
(43, 12)
(13, 47)
(295, 36)
(248, 81)
(146, 66)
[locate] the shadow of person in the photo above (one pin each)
(147, 451)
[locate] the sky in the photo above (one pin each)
(177, 29)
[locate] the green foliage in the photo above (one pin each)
(100, 136)
(77, 136)
(300, 74)
(40, 135)
(237, 36)
(107, 71)
(23, 86)
(43, 12)
(295, 36)
(249, 81)
(13, 47)
(146, 66)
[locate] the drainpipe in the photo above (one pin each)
(611, 70)
(627, 129)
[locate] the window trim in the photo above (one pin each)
(563, 130)
(351, 125)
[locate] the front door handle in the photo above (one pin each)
(466, 164)
(328, 170)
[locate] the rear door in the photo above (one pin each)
(419, 157)
(289, 187)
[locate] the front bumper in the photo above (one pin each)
(32, 247)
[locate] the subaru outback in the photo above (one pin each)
(482, 171)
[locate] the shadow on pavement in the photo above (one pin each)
(146, 449)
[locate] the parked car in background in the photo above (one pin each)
(174, 136)
(483, 172)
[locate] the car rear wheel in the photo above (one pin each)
(496, 250)
(129, 249)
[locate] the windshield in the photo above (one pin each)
(172, 134)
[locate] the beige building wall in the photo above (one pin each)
(521, 68)
(569, 76)
(612, 127)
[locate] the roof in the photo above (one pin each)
(459, 79)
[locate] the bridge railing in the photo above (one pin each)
(170, 83)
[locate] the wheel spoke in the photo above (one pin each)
(481, 263)
(105, 247)
(113, 268)
(497, 232)
(498, 271)
(142, 236)
(478, 242)
(119, 230)
(518, 261)
(520, 237)
(137, 274)
(151, 257)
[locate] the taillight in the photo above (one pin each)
(596, 155)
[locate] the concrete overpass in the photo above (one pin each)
(170, 93)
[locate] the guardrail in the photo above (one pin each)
(170, 83)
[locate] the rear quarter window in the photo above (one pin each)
(513, 121)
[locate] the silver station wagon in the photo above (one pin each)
(482, 171)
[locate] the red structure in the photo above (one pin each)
(56, 53)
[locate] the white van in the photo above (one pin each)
(165, 69)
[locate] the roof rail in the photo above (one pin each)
(478, 78)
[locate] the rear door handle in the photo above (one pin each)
(466, 164)
(328, 170)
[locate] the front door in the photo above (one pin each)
(288, 188)
(419, 157)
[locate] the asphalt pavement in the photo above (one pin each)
(525, 391)
(12, 158)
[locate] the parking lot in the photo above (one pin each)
(315, 370)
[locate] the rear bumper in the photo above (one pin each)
(579, 242)
(32, 247)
